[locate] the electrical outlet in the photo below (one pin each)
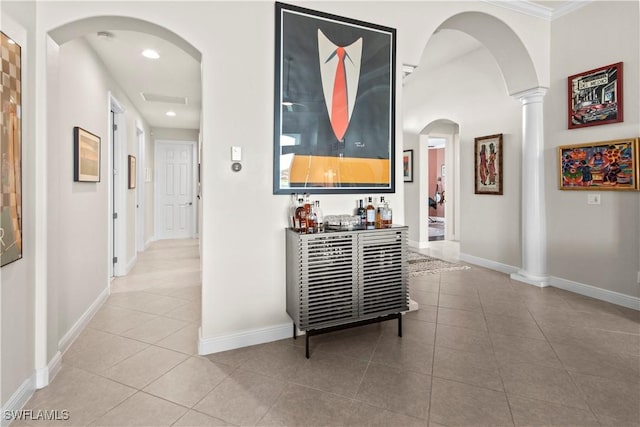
(593, 199)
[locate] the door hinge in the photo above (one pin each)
(115, 259)
(115, 215)
(115, 126)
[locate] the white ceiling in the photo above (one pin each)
(174, 74)
(178, 74)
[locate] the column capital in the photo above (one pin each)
(531, 95)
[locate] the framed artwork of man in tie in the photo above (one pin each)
(334, 128)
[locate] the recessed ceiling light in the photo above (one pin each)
(171, 113)
(150, 53)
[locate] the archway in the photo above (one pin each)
(53, 335)
(519, 79)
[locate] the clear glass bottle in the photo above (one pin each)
(380, 213)
(370, 222)
(319, 217)
(387, 217)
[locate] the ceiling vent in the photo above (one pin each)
(151, 97)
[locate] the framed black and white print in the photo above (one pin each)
(334, 125)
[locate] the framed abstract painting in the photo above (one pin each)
(86, 153)
(334, 125)
(407, 165)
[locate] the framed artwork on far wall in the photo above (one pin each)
(11, 225)
(606, 165)
(488, 164)
(132, 172)
(86, 151)
(334, 104)
(407, 165)
(595, 97)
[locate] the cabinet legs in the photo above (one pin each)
(400, 325)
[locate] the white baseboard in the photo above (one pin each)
(70, 336)
(597, 293)
(48, 373)
(17, 401)
(149, 242)
(244, 338)
(487, 263)
(130, 264)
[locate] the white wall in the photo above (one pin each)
(593, 245)
(237, 110)
(471, 92)
(79, 212)
(17, 280)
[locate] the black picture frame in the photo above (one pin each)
(407, 165)
(321, 149)
(86, 156)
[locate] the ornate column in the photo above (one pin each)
(534, 227)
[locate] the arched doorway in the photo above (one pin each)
(80, 217)
(488, 68)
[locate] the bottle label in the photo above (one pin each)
(371, 215)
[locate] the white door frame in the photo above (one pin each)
(117, 189)
(140, 189)
(194, 179)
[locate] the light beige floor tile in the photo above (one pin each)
(184, 340)
(142, 409)
(145, 302)
(463, 339)
(236, 357)
(476, 369)
(416, 330)
(242, 399)
(611, 399)
(457, 404)
(584, 360)
(404, 353)
(505, 307)
(530, 412)
(396, 390)
(189, 293)
(424, 298)
(512, 349)
(86, 396)
(302, 406)
(190, 312)
(198, 419)
(97, 351)
(542, 383)
(275, 360)
(359, 346)
(423, 286)
(367, 415)
(462, 318)
(144, 367)
(331, 373)
(190, 381)
(116, 320)
(155, 330)
(460, 289)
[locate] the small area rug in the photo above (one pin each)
(424, 264)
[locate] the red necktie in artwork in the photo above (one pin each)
(339, 111)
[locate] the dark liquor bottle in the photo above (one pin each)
(361, 212)
(387, 218)
(301, 217)
(380, 213)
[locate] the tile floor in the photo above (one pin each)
(482, 350)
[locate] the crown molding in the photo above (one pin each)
(537, 10)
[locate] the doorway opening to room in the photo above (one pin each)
(436, 187)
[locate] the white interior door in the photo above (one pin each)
(175, 196)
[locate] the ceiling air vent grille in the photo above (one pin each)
(152, 97)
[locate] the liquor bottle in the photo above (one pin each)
(301, 217)
(312, 220)
(307, 204)
(319, 217)
(361, 212)
(387, 218)
(371, 215)
(380, 213)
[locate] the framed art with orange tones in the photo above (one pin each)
(488, 164)
(595, 97)
(334, 125)
(606, 165)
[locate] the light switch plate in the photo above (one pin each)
(236, 154)
(593, 199)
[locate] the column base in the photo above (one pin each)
(531, 279)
